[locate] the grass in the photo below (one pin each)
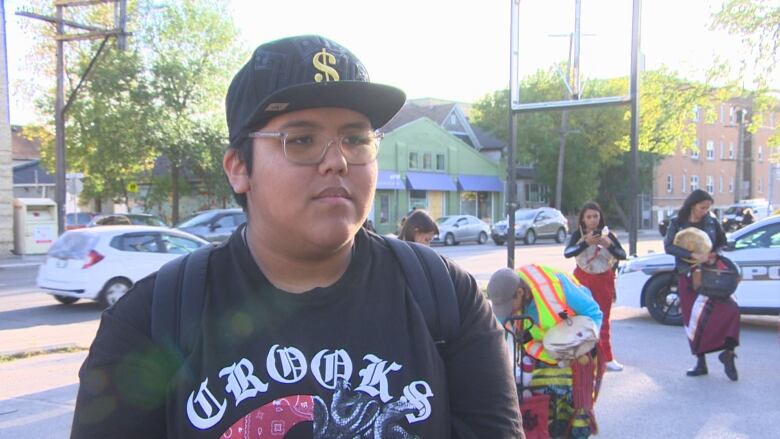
(30, 354)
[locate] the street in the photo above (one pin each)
(651, 398)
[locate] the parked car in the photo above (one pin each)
(127, 219)
(77, 220)
(101, 263)
(213, 225)
(663, 226)
(532, 224)
(650, 281)
(454, 229)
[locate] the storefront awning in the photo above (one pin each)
(429, 181)
(389, 180)
(480, 183)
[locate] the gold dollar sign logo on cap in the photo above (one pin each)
(321, 61)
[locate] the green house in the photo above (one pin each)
(422, 165)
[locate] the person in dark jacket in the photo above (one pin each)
(596, 251)
(712, 324)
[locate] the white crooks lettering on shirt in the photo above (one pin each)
(286, 365)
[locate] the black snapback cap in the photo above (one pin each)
(299, 73)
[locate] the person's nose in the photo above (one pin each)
(333, 160)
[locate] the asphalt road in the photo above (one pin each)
(651, 398)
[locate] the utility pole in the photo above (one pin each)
(61, 106)
(572, 82)
(739, 172)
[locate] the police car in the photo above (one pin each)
(649, 281)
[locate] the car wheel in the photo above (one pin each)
(530, 237)
(482, 238)
(560, 236)
(498, 241)
(662, 300)
(114, 290)
(449, 239)
(66, 300)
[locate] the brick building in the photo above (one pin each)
(711, 162)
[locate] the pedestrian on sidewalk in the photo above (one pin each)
(711, 324)
(419, 227)
(307, 328)
(596, 250)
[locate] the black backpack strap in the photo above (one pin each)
(178, 298)
(430, 282)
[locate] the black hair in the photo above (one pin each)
(417, 222)
(244, 153)
(696, 197)
(591, 205)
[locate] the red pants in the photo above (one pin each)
(603, 288)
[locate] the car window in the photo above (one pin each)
(240, 218)
(138, 242)
(765, 237)
(226, 221)
(522, 215)
(543, 216)
(178, 244)
(73, 246)
(473, 220)
(198, 219)
(463, 221)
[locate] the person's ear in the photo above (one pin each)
(236, 171)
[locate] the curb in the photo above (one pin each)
(20, 264)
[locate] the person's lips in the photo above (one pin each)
(333, 192)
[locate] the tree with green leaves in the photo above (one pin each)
(161, 97)
(598, 142)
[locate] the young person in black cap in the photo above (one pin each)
(308, 328)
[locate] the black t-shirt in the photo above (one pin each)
(354, 359)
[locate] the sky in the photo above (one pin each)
(459, 49)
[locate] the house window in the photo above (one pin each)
(384, 209)
(760, 153)
(696, 149)
(731, 185)
(418, 199)
(760, 185)
(710, 150)
(722, 114)
(732, 115)
(731, 150)
(427, 160)
(721, 150)
(468, 203)
(696, 113)
(710, 184)
(536, 192)
(694, 182)
(720, 184)
(413, 164)
(440, 162)
(685, 183)
(669, 182)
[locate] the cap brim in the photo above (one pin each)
(377, 101)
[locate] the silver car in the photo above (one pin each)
(532, 224)
(214, 225)
(454, 229)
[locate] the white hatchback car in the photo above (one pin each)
(102, 263)
(649, 281)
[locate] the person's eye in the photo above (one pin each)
(300, 139)
(357, 139)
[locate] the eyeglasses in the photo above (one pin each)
(306, 147)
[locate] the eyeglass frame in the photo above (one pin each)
(282, 136)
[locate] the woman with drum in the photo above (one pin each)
(712, 324)
(597, 251)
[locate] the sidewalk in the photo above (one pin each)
(10, 260)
